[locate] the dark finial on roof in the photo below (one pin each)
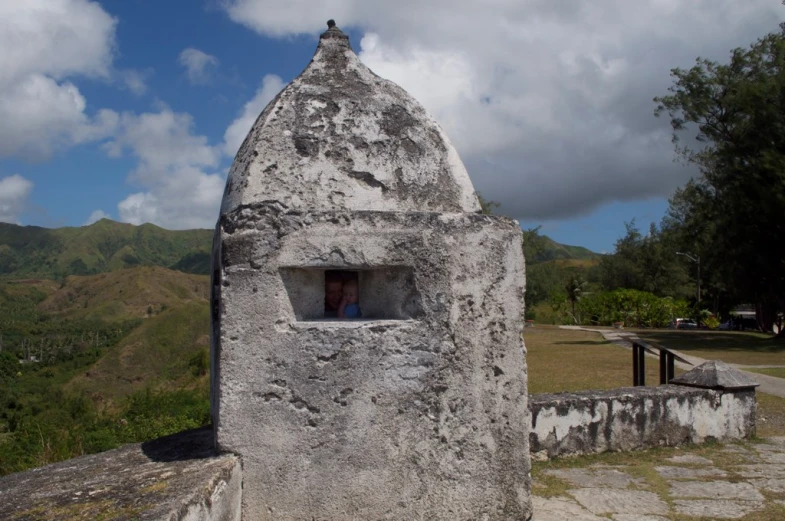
(335, 34)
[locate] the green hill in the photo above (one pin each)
(158, 354)
(550, 250)
(34, 252)
(96, 361)
(131, 293)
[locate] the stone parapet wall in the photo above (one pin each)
(637, 418)
(177, 478)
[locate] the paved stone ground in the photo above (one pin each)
(748, 480)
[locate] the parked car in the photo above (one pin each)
(683, 323)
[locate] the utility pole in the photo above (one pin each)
(696, 259)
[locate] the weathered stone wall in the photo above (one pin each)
(177, 478)
(417, 418)
(637, 418)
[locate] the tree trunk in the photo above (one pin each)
(765, 313)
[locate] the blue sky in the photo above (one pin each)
(133, 109)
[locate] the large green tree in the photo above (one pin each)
(646, 263)
(732, 214)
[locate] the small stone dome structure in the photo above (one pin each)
(367, 357)
(341, 137)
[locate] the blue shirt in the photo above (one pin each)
(352, 311)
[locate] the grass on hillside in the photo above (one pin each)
(771, 415)
(574, 263)
(733, 347)
(32, 251)
(123, 358)
(562, 360)
(128, 293)
(157, 354)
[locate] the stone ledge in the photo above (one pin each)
(620, 393)
(179, 477)
(636, 418)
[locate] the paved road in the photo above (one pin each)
(768, 384)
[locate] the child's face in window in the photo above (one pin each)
(351, 295)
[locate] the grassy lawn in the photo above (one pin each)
(778, 372)
(770, 416)
(564, 360)
(733, 347)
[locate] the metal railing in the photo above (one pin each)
(667, 362)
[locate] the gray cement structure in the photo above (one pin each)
(415, 413)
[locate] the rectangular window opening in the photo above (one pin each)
(385, 293)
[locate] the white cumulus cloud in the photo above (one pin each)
(198, 65)
(239, 128)
(14, 191)
(134, 81)
(548, 103)
(43, 43)
(176, 171)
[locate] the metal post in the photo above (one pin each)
(671, 367)
(642, 366)
(638, 365)
(663, 367)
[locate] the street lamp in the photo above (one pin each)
(696, 259)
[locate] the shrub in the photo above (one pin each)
(711, 322)
(631, 307)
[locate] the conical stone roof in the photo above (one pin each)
(339, 137)
(715, 375)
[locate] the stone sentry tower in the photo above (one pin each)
(419, 409)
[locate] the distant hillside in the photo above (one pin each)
(108, 359)
(34, 252)
(126, 294)
(157, 354)
(167, 311)
(545, 249)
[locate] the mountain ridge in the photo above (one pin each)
(104, 246)
(29, 252)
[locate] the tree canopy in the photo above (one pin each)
(731, 214)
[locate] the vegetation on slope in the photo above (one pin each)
(34, 252)
(131, 293)
(550, 250)
(157, 354)
(108, 359)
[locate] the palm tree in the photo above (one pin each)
(574, 290)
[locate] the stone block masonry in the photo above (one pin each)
(637, 418)
(414, 406)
